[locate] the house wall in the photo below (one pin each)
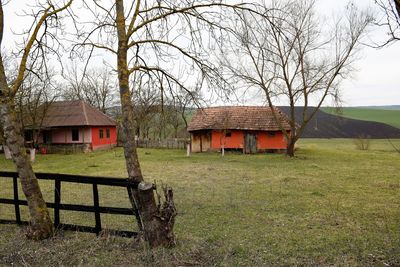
(98, 143)
(201, 141)
(64, 136)
(271, 140)
(195, 142)
(265, 140)
(236, 139)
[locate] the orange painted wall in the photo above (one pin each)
(236, 140)
(98, 142)
(267, 141)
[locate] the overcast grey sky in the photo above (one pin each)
(377, 81)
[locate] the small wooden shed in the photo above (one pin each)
(251, 129)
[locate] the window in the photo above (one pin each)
(108, 133)
(75, 134)
(28, 135)
(271, 134)
(228, 134)
(101, 134)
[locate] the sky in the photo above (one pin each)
(376, 81)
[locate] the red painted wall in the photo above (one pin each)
(236, 140)
(268, 141)
(98, 142)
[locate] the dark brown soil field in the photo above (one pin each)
(325, 125)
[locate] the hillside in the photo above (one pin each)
(325, 125)
(385, 114)
(389, 107)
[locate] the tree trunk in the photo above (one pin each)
(290, 147)
(151, 217)
(41, 226)
(158, 227)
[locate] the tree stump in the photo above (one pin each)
(157, 220)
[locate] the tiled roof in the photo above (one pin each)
(75, 113)
(239, 118)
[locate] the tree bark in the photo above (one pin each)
(290, 148)
(158, 227)
(41, 226)
(151, 217)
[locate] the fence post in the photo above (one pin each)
(7, 152)
(57, 200)
(188, 150)
(96, 208)
(16, 200)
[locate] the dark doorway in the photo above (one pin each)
(250, 143)
(47, 137)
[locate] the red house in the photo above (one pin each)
(250, 129)
(76, 124)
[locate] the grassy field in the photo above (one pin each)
(391, 117)
(331, 205)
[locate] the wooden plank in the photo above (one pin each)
(96, 209)
(16, 199)
(120, 182)
(73, 207)
(57, 200)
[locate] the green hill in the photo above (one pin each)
(390, 107)
(389, 116)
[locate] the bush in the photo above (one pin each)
(362, 142)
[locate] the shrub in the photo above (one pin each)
(362, 142)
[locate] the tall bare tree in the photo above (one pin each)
(32, 56)
(151, 37)
(146, 102)
(33, 101)
(293, 56)
(391, 20)
(96, 86)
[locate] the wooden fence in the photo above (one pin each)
(57, 206)
(166, 143)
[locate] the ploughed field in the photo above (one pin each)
(332, 204)
(351, 123)
(389, 114)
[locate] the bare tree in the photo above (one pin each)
(150, 37)
(391, 20)
(291, 56)
(32, 56)
(183, 100)
(33, 100)
(95, 86)
(146, 102)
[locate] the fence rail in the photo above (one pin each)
(57, 205)
(166, 143)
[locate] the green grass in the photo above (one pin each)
(391, 117)
(331, 205)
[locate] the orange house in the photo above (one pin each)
(250, 129)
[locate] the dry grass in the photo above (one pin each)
(332, 204)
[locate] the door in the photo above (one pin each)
(47, 137)
(250, 143)
(205, 142)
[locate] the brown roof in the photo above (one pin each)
(239, 118)
(75, 113)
